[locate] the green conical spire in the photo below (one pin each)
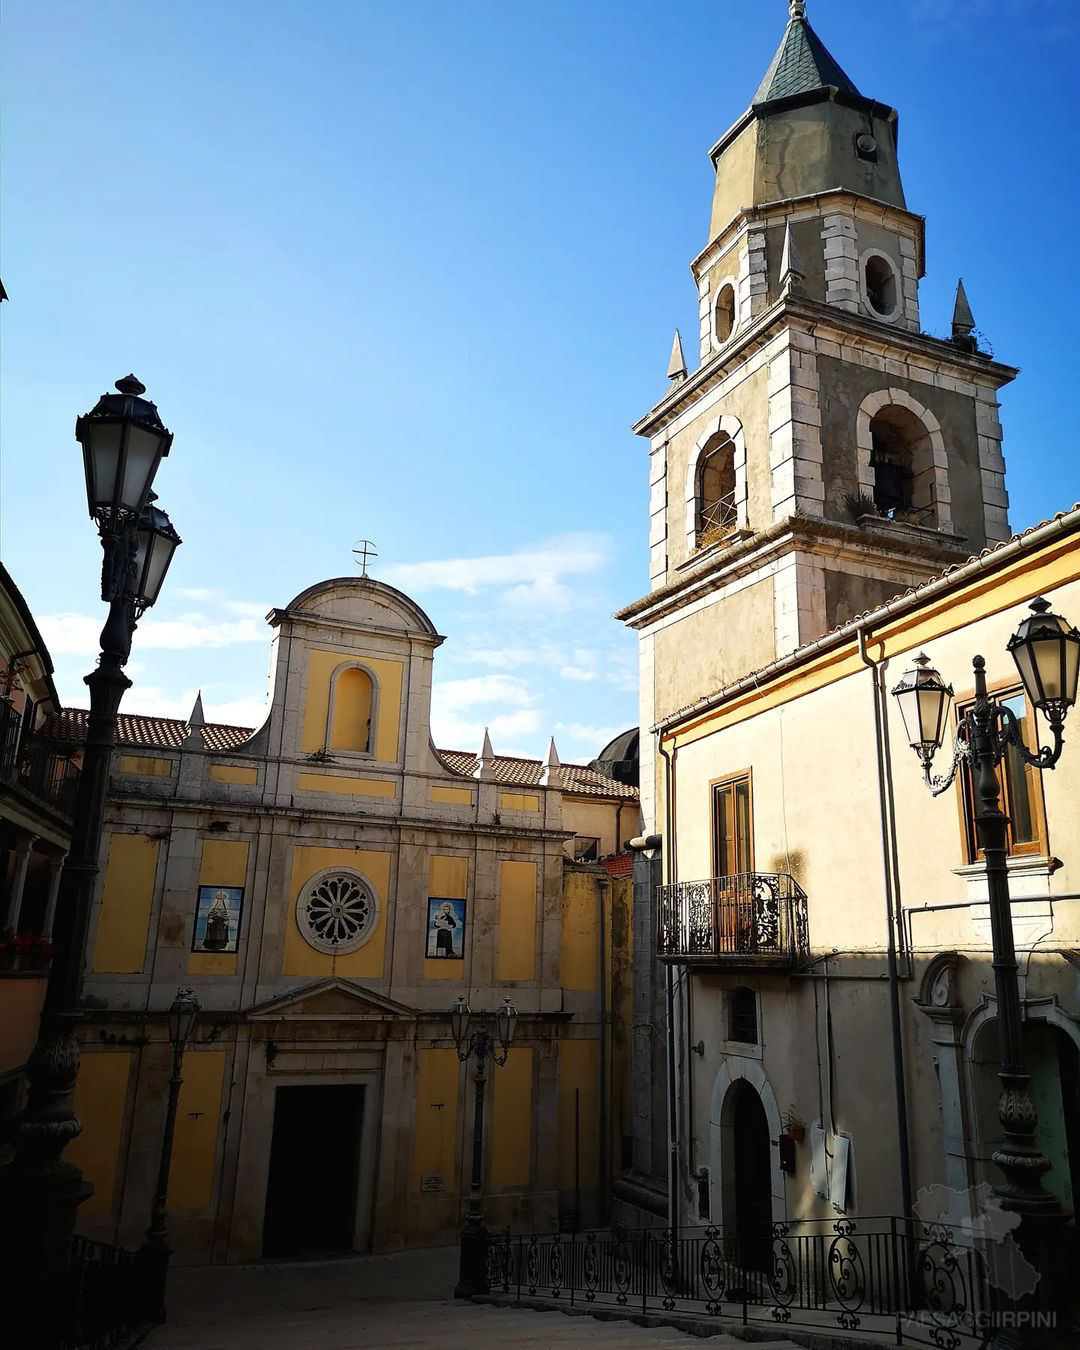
(802, 63)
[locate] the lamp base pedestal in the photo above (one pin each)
(472, 1265)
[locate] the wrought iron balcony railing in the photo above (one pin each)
(32, 764)
(753, 919)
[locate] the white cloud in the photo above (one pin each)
(499, 658)
(526, 579)
(452, 695)
(590, 739)
(78, 634)
(452, 732)
(578, 674)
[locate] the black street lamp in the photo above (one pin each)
(477, 1043)
(123, 442)
(1046, 650)
(155, 1253)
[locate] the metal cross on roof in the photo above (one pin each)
(363, 550)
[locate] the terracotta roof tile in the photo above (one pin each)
(168, 733)
(157, 733)
(619, 865)
(574, 778)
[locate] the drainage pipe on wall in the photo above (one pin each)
(604, 896)
(669, 985)
(890, 872)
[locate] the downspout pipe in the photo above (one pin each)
(603, 899)
(890, 871)
(669, 984)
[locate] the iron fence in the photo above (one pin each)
(753, 918)
(104, 1301)
(35, 764)
(914, 1282)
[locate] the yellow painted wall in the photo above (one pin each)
(367, 961)
(354, 787)
(435, 1149)
(245, 774)
(224, 863)
(321, 666)
(579, 1068)
(198, 1121)
(146, 766)
(350, 728)
(447, 877)
(100, 1102)
(511, 1126)
(516, 958)
(580, 954)
(127, 898)
(518, 801)
(452, 796)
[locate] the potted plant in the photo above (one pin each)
(794, 1125)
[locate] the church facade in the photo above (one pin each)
(827, 497)
(329, 884)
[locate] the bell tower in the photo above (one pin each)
(826, 453)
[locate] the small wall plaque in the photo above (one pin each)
(432, 1183)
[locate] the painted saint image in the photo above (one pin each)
(446, 929)
(217, 919)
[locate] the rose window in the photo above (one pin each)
(336, 912)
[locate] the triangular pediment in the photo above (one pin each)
(331, 1000)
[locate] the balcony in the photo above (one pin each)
(34, 767)
(750, 921)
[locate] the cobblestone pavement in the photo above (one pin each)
(399, 1302)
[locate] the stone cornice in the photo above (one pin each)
(814, 319)
(842, 542)
(766, 212)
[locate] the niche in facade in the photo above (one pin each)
(351, 718)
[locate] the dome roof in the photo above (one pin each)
(620, 759)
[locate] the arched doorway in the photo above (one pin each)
(748, 1164)
(1053, 1060)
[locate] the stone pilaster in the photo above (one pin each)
(841, 262)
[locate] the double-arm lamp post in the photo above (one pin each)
(123, 442)
(477, 1042)
(1046, 650)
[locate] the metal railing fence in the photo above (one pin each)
(926, 1283)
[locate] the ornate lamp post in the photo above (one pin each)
(1046, 650)
(123, 441)
(155, 1253)
(477, 1043)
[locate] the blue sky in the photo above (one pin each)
(409, 270)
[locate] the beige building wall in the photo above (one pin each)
(806, 735)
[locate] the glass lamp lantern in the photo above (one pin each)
(924, 700)
(123, 441)
(1046, 649)
(185, 1008)
(460, 1015)
(506, 1023)
(156, 542)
